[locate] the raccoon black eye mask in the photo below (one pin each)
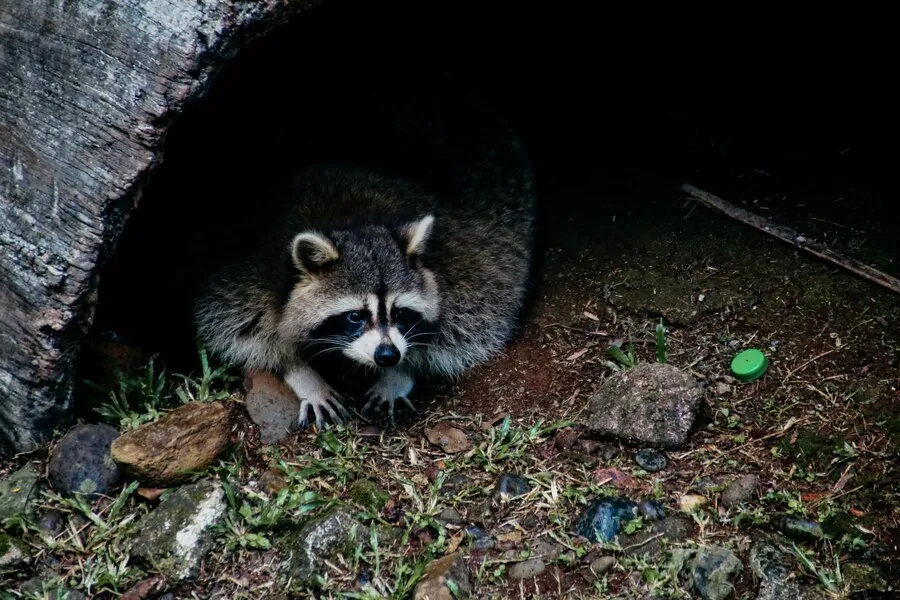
(373, 270)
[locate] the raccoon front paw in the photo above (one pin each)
(393, 385)
(330, 403)
(315, 396)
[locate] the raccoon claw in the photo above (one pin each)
(376, 400)
(391, 387)
(330, 405)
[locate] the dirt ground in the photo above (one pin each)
(619, 251)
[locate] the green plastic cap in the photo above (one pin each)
(749, 364)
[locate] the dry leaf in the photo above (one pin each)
(577, 355)
(455, 540)
(449, 438)
(590, 316)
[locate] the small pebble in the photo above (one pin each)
(800, 529)
(650, 460)
(690, 502)
(651, 510)
(481, 540)
(603, 518)
(527, 569)
(511, 486)
(450, 516)
(740, 490)
(602, 565)
(454, 485)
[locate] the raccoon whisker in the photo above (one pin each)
(331, 349)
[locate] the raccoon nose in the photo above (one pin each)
(387, 355)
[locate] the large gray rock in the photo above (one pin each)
(89, 90)
(81, 462)
(773, 570)
(18, 493)
(322, 538)
(652, 403)
(176, 536)
(713, 572)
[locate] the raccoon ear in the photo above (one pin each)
(416, 235)
(311, 251)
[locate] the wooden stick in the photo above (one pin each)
(790, 236)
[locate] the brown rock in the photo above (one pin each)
(449, 438)
(272, 405)
(165, 452)
(433, 585)
(147, 588)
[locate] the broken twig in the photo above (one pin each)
(790, 236)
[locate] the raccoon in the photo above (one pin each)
(379, 270)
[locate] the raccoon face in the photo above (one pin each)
(364, 293)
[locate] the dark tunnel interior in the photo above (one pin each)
(641, 108)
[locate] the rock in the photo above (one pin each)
(651, 510)
(52, 523)
(81, 462)
(272, 405)
(772, 567)
(650, 460)
(652, 403)
(603, 519)
(511, 486)
(320, 539)
(166, 452)
(545, 548)
(450, 516)
(150, 587)
(603, 565)
(481, 539)
(449, 438)
(649, 539)
(800, 529)
(454, 485)
(527, 569)
(13, 553)
(368, 495)
(273, 480)
(862, 577)
(481, 512)
(565, 438)
(446, 578)
(691, 502)
(18, 494)
(175, 536)
(740, 490)
(713, 571)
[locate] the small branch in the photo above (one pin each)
(790, 236)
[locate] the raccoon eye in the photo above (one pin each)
(355, 317)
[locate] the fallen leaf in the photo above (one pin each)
(150, 494)
(455, 540)
(590, 316)
(578, 354)
(449, 438)
(618, 479)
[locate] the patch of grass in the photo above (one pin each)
(146, 397)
